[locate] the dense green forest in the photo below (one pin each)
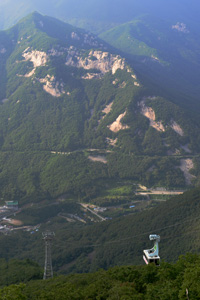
(169, 281)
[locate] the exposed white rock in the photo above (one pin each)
(52, 86)
(55, 52)
(117, 125)
(122, 85)
(90, 40)
(102, 61)
(38, 58)
(115, 81)
(111, 142)
(106, 111)
(181, 27)
(185, 166)
(152, 97)
(118, 63)
(155, 57)
(108, 108)
(149, 113)
(31, 73)
(176, 128)
(75, 36)
(92, 76)
(98, 158)
(135, 78)
(175, 152)
(3, 50)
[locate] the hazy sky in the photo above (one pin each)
(116, 11)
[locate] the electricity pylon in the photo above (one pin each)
(48, 270)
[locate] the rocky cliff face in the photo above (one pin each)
(52, 86)
(102, 61)
(149, 113)
(38, 58)
(117, 125)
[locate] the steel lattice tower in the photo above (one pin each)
(48, 270)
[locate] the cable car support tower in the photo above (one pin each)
(48, 270)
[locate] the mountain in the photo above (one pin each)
(74, 115)
(166, 50)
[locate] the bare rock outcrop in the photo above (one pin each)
(99, 60)
(149, 113)
(111, 142)
(92, 76)
(52, 86)
(38, 58)
(98, 158)
(90, 40)
(176, 128)
(117, 125)
(3, 50)
(108, 108)
(185, 166)
(75, 36)
(181, 27)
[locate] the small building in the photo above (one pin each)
(12, 204)
(132, 206)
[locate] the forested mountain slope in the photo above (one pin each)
(74, 113)
(166, 50)
(169, 281)
(86, 248)
(63, 92)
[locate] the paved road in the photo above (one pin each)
(93, 212)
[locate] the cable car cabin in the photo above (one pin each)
(152, 255)
(149, 260)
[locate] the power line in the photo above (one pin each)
(135, 236)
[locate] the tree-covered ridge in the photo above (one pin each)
(167, 52)
(169, 281)
(16, 271)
